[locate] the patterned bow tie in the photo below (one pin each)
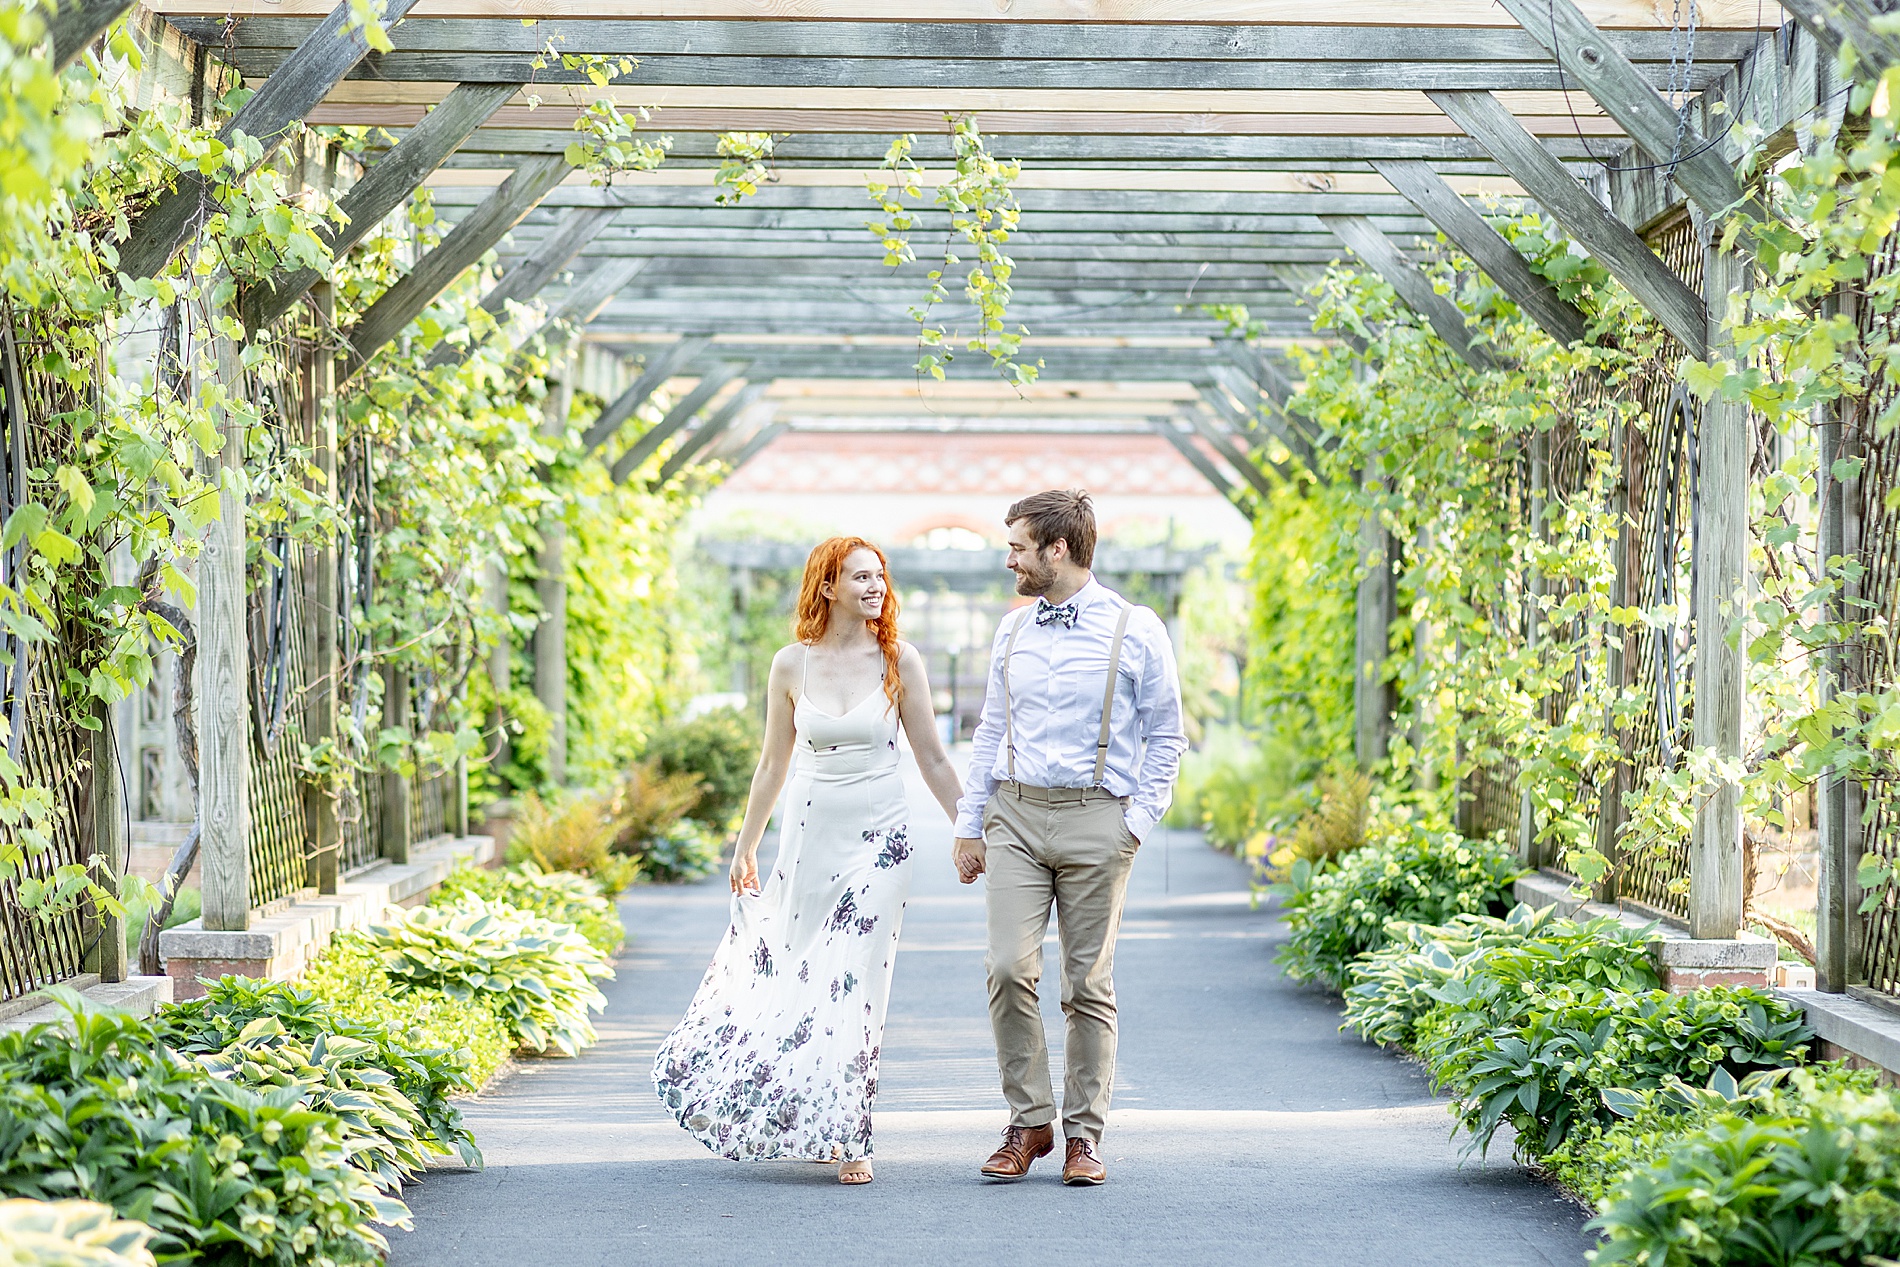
(1049, 614)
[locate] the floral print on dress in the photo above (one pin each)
(896, 847)
(782, 1064)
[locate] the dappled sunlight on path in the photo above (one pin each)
(1246, 1128)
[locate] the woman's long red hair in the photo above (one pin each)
(822, 568)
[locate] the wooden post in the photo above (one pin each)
(1836, 934)
(1528, 851)
(550, 587)
(500, 657)
(1424, 647)
(109, 844)
(397, 831)
(1715, 852)
(324, 835)
(1372, 711)
(224, 675)
(1610, 793)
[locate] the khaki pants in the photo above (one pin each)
(1072, 848)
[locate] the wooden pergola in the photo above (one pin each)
(1201, 152)
(1176, 154)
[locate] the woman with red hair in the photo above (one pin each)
(777, 1056)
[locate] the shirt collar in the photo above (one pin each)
(1091, 590)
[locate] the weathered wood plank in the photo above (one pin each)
(1232, 455)
(465, 244)
(967, 41)
(708, 431)
(323, 831)
(661, 365)
(1611, 242)
(1413, 286)
(110, 843)
(76, 24)
(709, 386)
(224, 674)
(530, 274)
(1638, 15)
(383, 187)
(1721, 601)
(669, 70)
(755, 446)
(1701, 168)
(324, 57)
(550, 588)
(1243, 386)
(1500, 261)
(813, 148)
(396, 821)
(637, 197)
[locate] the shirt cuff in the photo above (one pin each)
(1140, 822)
(969, 821)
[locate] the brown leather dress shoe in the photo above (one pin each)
(1021, 1145)
(1082, 1166)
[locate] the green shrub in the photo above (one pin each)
(720, 748)
(566, 897)
(1237, 785)
(574, 833)
(107, 1113)
(686, 852)
(364, 1056)
(348, 977)
(540, 974)
(70, 1234)
(1814, 1182)
(1540, 1059)
(1340, 911)
(1596, 1157)
(1390, 989)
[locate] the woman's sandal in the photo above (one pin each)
(854, 1178)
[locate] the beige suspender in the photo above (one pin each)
(1108, 693)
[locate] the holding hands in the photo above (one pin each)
(969, 856)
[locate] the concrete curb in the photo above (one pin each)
(140, 996)
(278, 945)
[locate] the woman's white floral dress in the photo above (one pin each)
(777, 1056)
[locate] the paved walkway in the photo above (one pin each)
(1246, 1128)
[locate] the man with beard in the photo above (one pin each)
(1071, 766)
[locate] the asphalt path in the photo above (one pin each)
(1246, 1128)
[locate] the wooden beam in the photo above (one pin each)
(465, 244)
(384, 186)
(1468, 231)
(532, 272)
(1821, 20)
(1623, 91)
(710, 430)
(592, 292)
(676, 418)
(1414, 287)
(756, 445)
(1275, 420)
(1181, 38)
(307, 76)
(661, 365)
(75, 25)
(1165, 428)
(1611, 242)
(1232, 455)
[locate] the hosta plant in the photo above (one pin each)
(1812, 1183)
(70, 1234)
(1390, 989)
(566, 897)
(1338, 913)
(226, 1176)
(540, 974)
(1542, 1068)
(1597, 1157)
(348, 977)
(376, 1057)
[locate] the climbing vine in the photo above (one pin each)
(979, 197)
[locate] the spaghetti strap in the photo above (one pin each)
(804, 670)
